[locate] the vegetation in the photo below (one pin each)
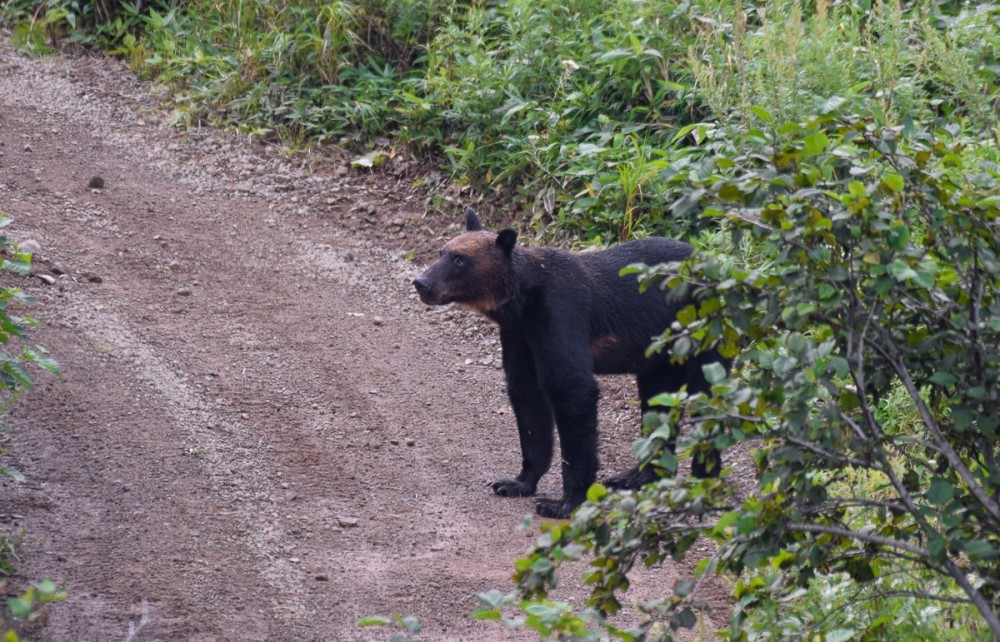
(863, 281)
(14, 381)
(569, 109)
(14, 378)
(837, 162)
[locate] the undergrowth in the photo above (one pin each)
(587, 115)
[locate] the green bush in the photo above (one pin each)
(569, 110)
(866, 327)
(14, 378)
(14, 382)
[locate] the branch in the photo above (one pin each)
(920, 595)
(861, 537)
(861, 503)
(824, 453)
(888, 350)
(858, 430)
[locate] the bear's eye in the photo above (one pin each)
(458, 260)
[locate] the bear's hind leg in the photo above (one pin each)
(668, 378)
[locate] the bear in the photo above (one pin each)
(563, 318)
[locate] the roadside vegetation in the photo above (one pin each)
(17, 611)
(838, 164)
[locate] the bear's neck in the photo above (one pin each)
(524, 279)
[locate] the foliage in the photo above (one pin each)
(42, 27)
(880, 283)
(8, 552)
(29, 607)
(14, 381)
(404, 626)
(568, 109)
(14, 378)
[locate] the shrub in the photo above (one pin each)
(14, 382)
(868, 345)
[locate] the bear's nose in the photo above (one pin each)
(421, 284)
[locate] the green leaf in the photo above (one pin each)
(937, 548)
(839, 365)
(685, 619)
(683, 588)
(894, 182)
(980, 549)
(687, 315)
(13, 473)
(860, 569)
(816, 143)
(832, 104)
(941, 491)
(838, 635)
(19, 608)
(410, 624)
(725, 521)
(486, 614)
(373, 620)
(902, 271)
(899, 237)
(596, 493)
(714, 373)
(943, 379)
(614, 55)
(762, 113)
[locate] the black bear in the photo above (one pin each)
(564, 318)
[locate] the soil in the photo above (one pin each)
(259, 432)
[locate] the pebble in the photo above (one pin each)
(347, 522)
(30, 246)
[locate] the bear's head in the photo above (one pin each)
(472, 270)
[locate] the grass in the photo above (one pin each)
(568, 110)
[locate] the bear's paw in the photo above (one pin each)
(512, 488)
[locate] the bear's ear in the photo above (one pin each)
(506, 240)
(472, 223)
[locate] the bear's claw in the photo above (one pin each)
(554, 508)
(512, 488)
(632, 479)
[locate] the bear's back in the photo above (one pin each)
(620, 310)
(605, 266)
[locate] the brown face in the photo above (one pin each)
(471, 271)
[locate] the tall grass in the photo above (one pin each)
(569, 109)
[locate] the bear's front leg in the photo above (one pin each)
(575, 408)
(533, 414)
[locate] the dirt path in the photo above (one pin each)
(260, 433)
